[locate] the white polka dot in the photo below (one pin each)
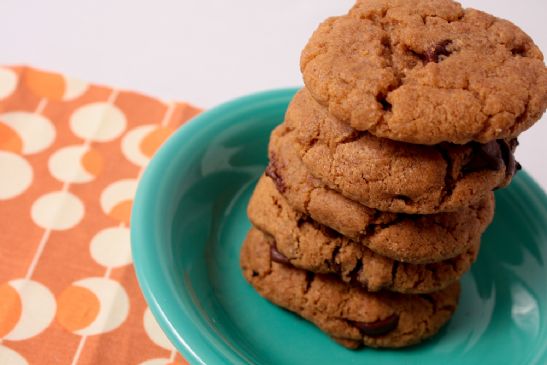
(10, 357)
(74, 88)
(114, 305)
(15, 175)
(66, 165)
(116, 193)
(36, 131)
(57, 210)
(98, 122)
(37, 312)
(8, 82)
(154, 331)
(131, 144)
(111, 247)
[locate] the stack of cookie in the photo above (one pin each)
(380, 179)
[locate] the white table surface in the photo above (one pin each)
(204, 52)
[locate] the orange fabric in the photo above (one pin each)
(77, 308)
(10, 309)
(10, 140)
(71, 154)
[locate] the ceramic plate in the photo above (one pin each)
(189, 222)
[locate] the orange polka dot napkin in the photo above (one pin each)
(71, 154)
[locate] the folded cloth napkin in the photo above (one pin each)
(71, 154)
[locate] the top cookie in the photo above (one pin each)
(426, 71)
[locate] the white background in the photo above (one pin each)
(204, 52)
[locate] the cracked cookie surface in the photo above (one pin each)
(350, 315)
(299, 241)
(389, 175)
(426, 71)
(412, 239)
(310, 196)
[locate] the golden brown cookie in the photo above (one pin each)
(310, 196)
(412, 239)
(298, 240)
(389, 175)
(426, 71)
(351, 315)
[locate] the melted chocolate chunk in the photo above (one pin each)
(379, 327)
(485, 157)
(271, 172)
(309, 279)
(438, 50)
(278, 257)
(384, 103)
(507, 149)
(301, 221)
(519, 51)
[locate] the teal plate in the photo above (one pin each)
(189, 222)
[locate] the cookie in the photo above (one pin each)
(418, 235)
(315, 247)
(298, 240)
(395, 176)
(426, 71)
(350, 315)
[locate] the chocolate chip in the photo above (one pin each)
(435, 52)
(271, 172)
(507, 148)
(519, 51)
(301, 221)
(485, 157)
(379, 327)
(310, 276)
(278, 256)
(384, 103)
(394, 270)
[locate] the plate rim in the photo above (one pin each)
(152, 282)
